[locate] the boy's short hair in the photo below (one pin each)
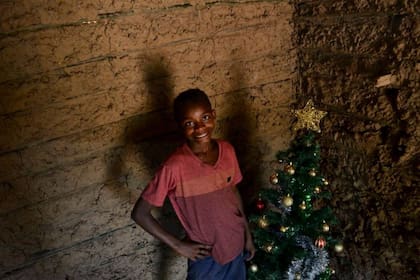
(189, 96)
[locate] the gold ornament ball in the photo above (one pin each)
(274, 179)
(287, 201)
(263, 223)
(317, 190)
(283, 228)
(298, 276)
(339, 247)
(325, 227)
(269, 248)
(302, 206)
(254, 268)
(290, 169)
(312, 172)
(325, 181)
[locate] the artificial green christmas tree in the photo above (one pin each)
(292, 223)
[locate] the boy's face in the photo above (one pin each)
(197, 122)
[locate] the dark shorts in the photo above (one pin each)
(209, 269)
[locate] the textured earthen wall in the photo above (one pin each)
(358, 60)
(85, 94)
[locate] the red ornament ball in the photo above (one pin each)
(320, 242)
(260, 204)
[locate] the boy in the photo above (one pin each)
(200, 180)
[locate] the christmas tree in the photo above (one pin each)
(292, 222)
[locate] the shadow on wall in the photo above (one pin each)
(240, 131)
(149, 140)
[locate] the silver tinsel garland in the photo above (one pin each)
(310, 266)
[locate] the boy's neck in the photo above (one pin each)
(202, 148)
(206, 152)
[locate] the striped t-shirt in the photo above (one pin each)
(203, 198)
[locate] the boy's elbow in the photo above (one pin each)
(134, 216)
(139, 212)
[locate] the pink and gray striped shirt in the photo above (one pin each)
(203, 198)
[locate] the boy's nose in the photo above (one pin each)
(199, 125)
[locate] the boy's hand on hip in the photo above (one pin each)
(193, 250)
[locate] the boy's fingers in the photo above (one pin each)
(250, 257)
(205, 247)
(202, 254)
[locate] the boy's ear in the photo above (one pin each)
(213, 113)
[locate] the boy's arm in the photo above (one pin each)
(141, 214)
(249, 244)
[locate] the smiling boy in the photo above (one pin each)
(200, 179)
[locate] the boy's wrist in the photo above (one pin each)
(247, 231)
(177, 243)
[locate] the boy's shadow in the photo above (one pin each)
(159, 83)
(149, 139)
(240, 131)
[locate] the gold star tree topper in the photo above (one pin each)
(308, 117)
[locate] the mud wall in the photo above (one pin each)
(358, 60)
(85, 99)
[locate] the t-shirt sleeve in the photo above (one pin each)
(158, 188)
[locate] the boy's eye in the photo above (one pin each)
(189, 124)
(206, 117)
